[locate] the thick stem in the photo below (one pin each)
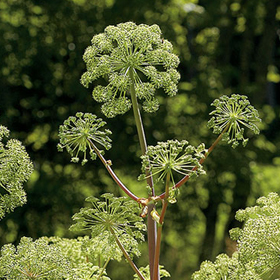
(159, 229)
(111, 172)
(186, 178)
(132, 264)
(137, 115)
(143, 144)
(157, 253)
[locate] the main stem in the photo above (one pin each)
(160, 224)
(143, 144)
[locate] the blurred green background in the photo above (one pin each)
(225, 46)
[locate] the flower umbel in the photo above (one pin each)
(48, 258)
(258, 240)
(226, 268)
(233, 114)
(170, 156)
(76, 133)
(15, 169)
(130, 49)
(113, 217)
(146, 272)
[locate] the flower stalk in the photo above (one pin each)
(132, 264)
(103, 269)
(112, 173)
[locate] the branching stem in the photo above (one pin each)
(186, 178)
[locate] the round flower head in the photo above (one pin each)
(111, 217)
(233, 114)
(77, 132)
(130, 54)
(258, 239)
(170, 156)
(15, 169)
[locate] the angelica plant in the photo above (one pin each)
(134, 61)
(15, 169)
(226, 268)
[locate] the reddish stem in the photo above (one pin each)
(112, 173)
(159, 231)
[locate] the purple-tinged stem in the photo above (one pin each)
(112, 173)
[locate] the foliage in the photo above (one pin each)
(15, 170)
(47, 258)
(257, 255)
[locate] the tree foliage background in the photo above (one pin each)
(225, 46)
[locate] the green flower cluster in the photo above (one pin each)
(109, 219)
(130, 55)
(170, 156)
(225, 268)
(48, 259)
(258, 245)
(77, 132)
(15, 169)
(233, 114)
(259, 239)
